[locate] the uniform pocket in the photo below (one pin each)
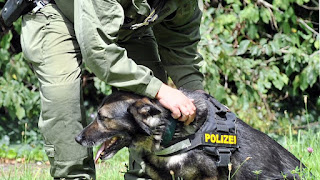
(41, 30)
(32, 35)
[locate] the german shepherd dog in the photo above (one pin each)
(128, 120)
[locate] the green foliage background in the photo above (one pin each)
(261, 60)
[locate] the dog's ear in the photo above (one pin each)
(141, 110)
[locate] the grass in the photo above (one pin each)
(114, 168)
(299, 147)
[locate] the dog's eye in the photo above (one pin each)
(102, 117)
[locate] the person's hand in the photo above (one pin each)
(181, 106)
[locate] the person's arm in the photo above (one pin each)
(178, 36)
(97, 23)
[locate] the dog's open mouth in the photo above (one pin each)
(106, 150)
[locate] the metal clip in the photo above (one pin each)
(39, 5)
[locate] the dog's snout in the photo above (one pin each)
(79, 139)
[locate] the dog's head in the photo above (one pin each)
(121, 119)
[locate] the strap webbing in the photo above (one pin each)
(153, 16)
(174, 148)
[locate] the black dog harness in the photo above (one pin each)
(217, 136)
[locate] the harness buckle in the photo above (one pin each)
(224, 155)
(39, 4)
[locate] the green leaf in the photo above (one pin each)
(243, 47)
(12, 154)
(267, 84)
(20, 112)
(253, 31)
(230, 1)
(250, 13)
(227, 48)
(317, 43)
(278, 83)
(300, 2)
(7, 99)
(220, 93)
(265, 15)
(284, 78)
(254, 50)
(267, 49)
(244, 101)
(263, 41)
(286, 27)
(311, 75)
(236, 8)
(274, 46)
(303, 81)
(5, 41)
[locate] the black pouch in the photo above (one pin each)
(13, 9)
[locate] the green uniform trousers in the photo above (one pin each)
(49, 43)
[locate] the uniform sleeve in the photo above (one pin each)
(97, 23)
(178, 36)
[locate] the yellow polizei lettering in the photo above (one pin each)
(220, 139)
(213, 138)
(226, 140)
(231, 139)
(207, 137)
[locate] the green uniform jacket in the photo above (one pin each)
(101, 24)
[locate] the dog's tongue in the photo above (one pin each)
(99, 152)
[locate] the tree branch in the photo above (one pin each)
(310, 8)
(307, 26)
(268, 5)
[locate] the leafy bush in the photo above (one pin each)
(262, 56)
(19, 98)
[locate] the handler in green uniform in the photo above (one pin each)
(132, 45)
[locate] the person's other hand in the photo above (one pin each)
(181, 106)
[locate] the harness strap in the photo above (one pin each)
(153, 16)
(177, 147)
